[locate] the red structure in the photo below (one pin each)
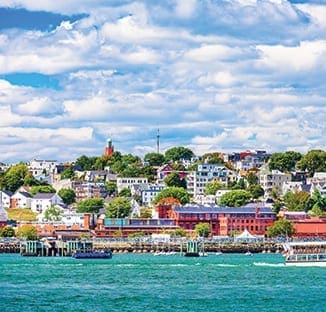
(224, 221)
(109, 149)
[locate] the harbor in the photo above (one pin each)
(56, 247)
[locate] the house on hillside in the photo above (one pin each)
(42, 201)
(21, 199)
(5, 197)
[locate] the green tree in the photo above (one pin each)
(202, 229)
(85, 162)
(53, 213)
(240, 185)
(284, 162)
(178, 193)
(14, 176)
(212, 187)
(27, 231)
(111, 188)
(235, 198)
(313, 161)
(119, 207)
(7, 231)
(281, 227)
(256, 191)
(252, 179)
(68, 173)
(126, 192)
(180, 232)
(42, 189)
(154, 159)
(173, 179)
(319, 202)
(296, 201)
(178, 153)
(212, 158)
(67, 195)
(145, 213)
(30, 180)
(90, 205)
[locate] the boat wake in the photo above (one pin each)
(265, 264)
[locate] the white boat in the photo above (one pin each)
(305, 254)
(248, 253)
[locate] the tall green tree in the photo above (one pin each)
(313, 161)
(7, 231)
(125, 192)
(202, 229)
(67, 195)
(212, 158)
(111, 188)
(90, 205)
(173, 179)
(284, 162)
(178, 193)
(119, 207)
(27, 231)
(296, 201)
(177, 153)
(235, 198)
(53, 213)
(14, 176)
(212, 187)
(281, 227)
(154, 159)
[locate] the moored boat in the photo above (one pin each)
(92, 254)
(305, 253)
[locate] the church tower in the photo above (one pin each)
(109, 148)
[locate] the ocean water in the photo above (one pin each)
(144, 282)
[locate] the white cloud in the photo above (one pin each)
(305, 57)
(212, 75)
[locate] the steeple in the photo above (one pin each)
(109, 148)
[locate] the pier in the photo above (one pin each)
(55, 247)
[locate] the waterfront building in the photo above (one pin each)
(224, 221)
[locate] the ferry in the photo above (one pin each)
(92, 254)
(305, 253)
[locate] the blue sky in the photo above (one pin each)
(225, 75)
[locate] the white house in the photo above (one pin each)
(21, 199)
(42, 201)
(40, 166)
(129, 182)
(5, 197)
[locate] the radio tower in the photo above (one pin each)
(158, 141)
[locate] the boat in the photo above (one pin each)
(305, 253)
(92, 254)
(248, 253)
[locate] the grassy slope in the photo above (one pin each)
(21, 214)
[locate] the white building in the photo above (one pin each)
(271, 179)
(21, 199)
(123, 183)
(39, 167)
(149, 193)
(5, 197)
(197, 180)
(42, 201)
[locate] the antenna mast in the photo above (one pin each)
(158, 141)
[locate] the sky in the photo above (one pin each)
(211, 75)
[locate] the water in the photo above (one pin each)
(143, 282)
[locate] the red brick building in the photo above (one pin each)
(224, 221)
